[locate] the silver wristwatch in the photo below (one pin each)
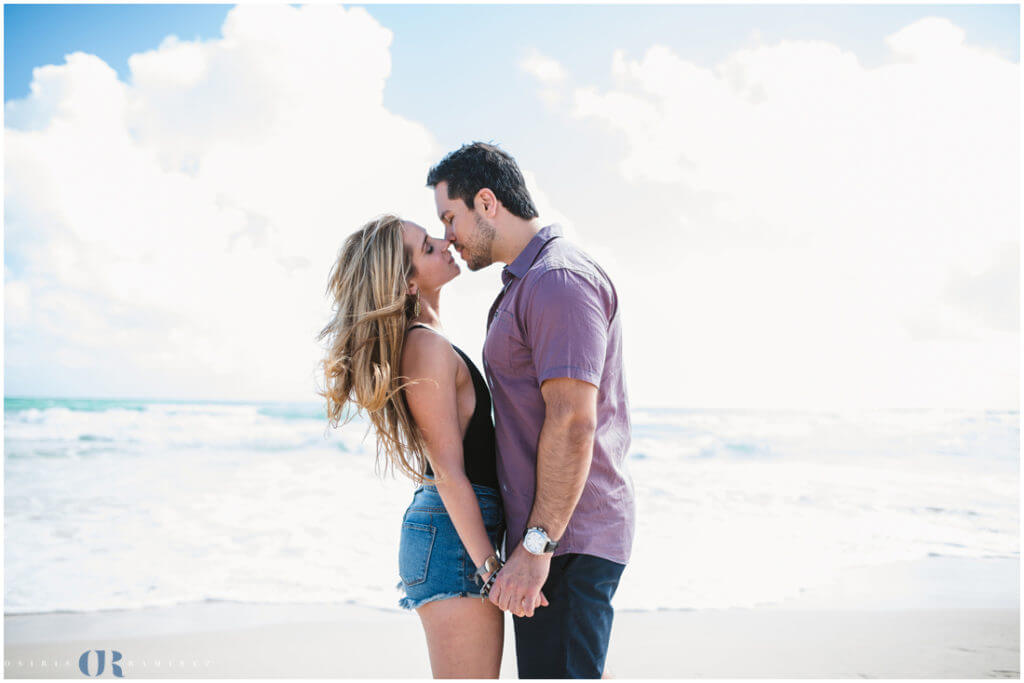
(537, 542)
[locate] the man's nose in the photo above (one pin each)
(449, 234)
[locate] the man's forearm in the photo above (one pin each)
(564, 452)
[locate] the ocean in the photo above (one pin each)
(113, 504)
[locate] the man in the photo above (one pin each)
(553, 359)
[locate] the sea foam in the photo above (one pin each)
(118, 504)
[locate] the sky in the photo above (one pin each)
(802, 207)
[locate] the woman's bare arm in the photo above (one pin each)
(428, 360)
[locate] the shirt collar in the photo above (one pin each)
(517, 269)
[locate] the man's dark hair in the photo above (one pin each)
(478, 165)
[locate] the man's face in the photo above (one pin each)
(470, 232)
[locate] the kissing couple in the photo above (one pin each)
(531, 513)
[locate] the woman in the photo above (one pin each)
(431, 410)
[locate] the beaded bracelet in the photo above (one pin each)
(485, 591)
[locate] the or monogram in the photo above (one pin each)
(83, 663)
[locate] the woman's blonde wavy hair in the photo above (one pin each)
(372, 308)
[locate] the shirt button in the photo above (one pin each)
(504, 488)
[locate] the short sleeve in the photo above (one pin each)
(566, 326)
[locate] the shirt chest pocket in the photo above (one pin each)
(505, 347)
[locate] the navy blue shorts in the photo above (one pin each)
(569, 637)
(432, 561)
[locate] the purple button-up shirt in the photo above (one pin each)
(558, 316)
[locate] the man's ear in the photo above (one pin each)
(486, 203)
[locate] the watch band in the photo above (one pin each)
(549, 545)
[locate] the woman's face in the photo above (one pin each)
(434, 263)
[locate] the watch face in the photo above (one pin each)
(534, 542)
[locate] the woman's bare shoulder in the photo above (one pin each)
(426, 352)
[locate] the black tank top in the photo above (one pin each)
(478, 445)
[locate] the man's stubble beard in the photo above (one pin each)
(479, 252)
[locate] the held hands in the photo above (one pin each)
(517, 588)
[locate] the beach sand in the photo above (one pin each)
(899, 621)
(234, 640)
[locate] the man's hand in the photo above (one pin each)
(517, 588)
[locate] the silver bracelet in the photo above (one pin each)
(491, 564)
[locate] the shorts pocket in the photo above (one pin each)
(414, 555)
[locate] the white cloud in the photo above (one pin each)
(831, 224)
(991, 296)
(547, 70)
(181, 225)
(927, 39)
(801, 230)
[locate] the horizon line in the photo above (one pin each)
(633, 409)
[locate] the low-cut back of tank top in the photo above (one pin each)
(478, 445)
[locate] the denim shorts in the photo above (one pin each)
(432, 561)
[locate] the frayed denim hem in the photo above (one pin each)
(409, 603)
